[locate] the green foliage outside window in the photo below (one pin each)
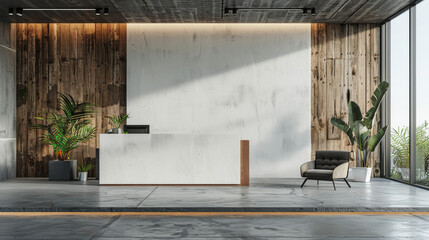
(400, 148)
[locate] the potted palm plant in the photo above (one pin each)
(358, 130)
(64, 132)
(83, 172)
(116, 121)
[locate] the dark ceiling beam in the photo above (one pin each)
(338, 9)
(113, 6)
(357, 10)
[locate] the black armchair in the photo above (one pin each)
(328, 166)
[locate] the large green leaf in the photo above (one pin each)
(376, 99)
(354, 113)
(361, 134)
(375, 140)
(343, 127)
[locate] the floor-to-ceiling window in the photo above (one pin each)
(399, 87)
(407, 61)
(422, 93)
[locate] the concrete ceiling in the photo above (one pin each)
(204, 11)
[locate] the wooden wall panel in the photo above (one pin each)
(345, 66)
(86, 60)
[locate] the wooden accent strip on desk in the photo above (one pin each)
(244, 162)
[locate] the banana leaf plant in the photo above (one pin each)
(64, 132)
(358, 129)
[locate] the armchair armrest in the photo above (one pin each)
(306, 166)
(341, 171)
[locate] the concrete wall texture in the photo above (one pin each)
(7, 102)
(248, 79)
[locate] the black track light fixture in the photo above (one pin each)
(19, 11)
(230, 11)
(308, 11)
(305, 11)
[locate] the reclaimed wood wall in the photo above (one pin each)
(87, 61)
(345, 66)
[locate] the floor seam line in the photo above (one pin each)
(104, 227)
(147, 196)
(419, 217)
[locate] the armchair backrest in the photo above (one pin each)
(331, 159)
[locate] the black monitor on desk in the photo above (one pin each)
(136, 129)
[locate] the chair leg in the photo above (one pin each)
(347, 183)
(302, 185)
(317, 182)
(334, 185)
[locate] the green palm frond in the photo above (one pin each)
(64, 132)
(67, 104)
(117, 120)
(85, 167)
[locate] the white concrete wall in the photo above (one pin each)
(7, 102)
(248, 79)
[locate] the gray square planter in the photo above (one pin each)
(62, 170)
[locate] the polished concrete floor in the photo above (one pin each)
(263, 195)
(273, 197)
(407, 226)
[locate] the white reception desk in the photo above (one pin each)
(173, 159)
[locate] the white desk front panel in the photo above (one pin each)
(169, 159)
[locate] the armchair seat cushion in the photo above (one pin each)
(322, 174)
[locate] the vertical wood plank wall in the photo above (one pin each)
(87, 61)
(345, 66)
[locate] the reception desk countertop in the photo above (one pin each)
(157, 159)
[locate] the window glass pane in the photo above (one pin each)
(422, 94)
(400, 97)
